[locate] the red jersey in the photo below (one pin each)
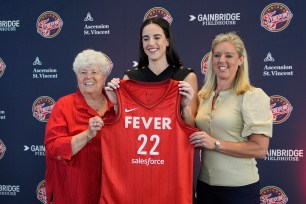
(146, 154)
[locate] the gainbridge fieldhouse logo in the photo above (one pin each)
(275, 17)
(281, 108)
(204, 63)
(49, 24)
(41, 192)
(158, 11)
(42, 108)
(2, 67)
(2, 149)
(272, 194)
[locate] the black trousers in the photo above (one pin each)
(249, 194)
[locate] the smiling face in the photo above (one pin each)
(154, 42)
(225, 61)
(90, 80)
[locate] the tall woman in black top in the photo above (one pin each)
(158, 61)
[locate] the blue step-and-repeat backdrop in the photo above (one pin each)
(40, 39)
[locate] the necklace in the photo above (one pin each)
(100, 105)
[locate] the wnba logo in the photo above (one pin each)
(49, 24)
(275, 17)
(204, 64)
(2, 67)
(272, 194)
(41, 192)
(281, 108)
(42, 108)
(159, 11)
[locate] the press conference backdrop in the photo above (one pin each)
(40, 39)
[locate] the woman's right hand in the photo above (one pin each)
(80, 140)
(110, 90)
(94, 125)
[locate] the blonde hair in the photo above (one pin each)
(242, 81)
(91, 57)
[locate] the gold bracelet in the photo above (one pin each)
(189, 113)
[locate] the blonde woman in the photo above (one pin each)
(236, 124)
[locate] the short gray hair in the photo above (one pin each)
(91, 57)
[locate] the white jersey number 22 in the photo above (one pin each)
(145, 140)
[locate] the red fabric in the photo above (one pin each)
(72, 179)
(147, 157)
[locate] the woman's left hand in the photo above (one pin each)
(187, 93)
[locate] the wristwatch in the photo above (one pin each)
(217, 145)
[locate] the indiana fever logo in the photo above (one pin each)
(42, 108)
(159, 11)
(2, 67)
(272, 194)
(49, 24)
(2, 149)
(110, 64)
(276, 17)
(41, 192)
(204, 64)
(281, 108)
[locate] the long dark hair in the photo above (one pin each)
(171, 53)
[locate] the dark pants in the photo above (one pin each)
(249, 194)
